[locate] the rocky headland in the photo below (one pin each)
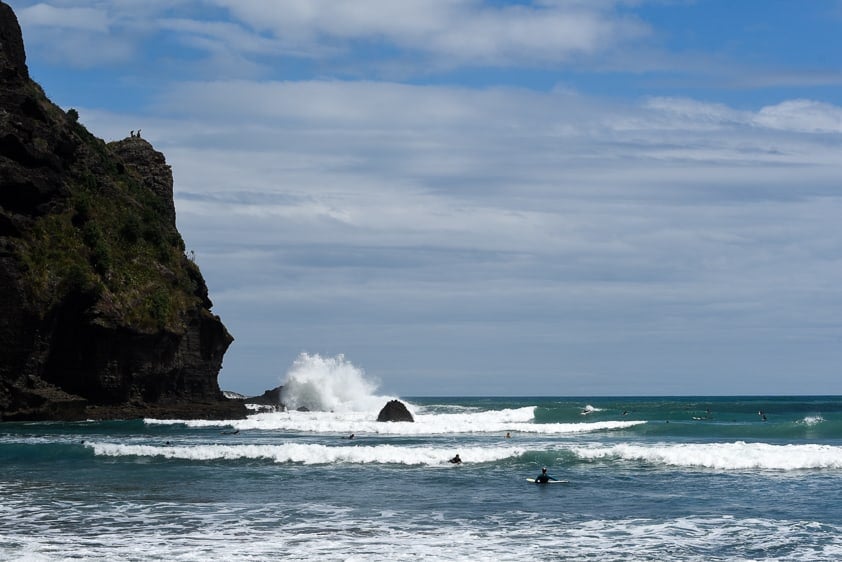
(102, 314)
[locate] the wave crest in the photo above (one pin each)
(490, 421)
(311, 453)
(722, 456)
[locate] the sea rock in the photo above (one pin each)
(394, 410)
(271, 397)
(102, 314)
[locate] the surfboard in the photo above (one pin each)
(549, 482)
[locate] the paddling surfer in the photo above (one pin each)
(456, 459)
(543, 478)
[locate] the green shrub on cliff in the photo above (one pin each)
(114, 238)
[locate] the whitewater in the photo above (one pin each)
(678, 478)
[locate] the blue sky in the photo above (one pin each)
(571, 197)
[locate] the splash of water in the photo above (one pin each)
(812, 420)
(328, 384)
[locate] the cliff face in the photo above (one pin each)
(101, 312)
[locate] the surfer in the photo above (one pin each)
(456, 459)
(543, 478)
(351, 436)
(508, 435)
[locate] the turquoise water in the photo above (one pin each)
(650, 478)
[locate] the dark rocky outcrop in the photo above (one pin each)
(271, 397)
(12, 53)
(394, 411)
(102, 314)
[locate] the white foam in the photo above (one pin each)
(329, 384)
(308, 453)
(722, 456)
(812, 420)
(490, 421)
(326, 532)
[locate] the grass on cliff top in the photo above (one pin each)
(112, 241)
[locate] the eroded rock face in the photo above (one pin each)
(100, 309)
(395, 411)
(12, 53)
(152, 168)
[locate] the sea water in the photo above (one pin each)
(662, 478)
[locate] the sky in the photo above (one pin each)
(488, 197)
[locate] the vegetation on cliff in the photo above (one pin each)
(99, 305)
(111, 240)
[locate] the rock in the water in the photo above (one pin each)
(271, 397)
(394, 410)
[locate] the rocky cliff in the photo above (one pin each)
(101, 312)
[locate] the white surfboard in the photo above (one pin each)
(549, 481)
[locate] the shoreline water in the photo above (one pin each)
(292, 485)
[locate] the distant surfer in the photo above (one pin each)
(508, 435)
(456, 460)
(543, 478)
(351, 436)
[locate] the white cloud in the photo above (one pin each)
(353, 200)
(457, 31)
(686, 112)
(46, 15)
(801, 115)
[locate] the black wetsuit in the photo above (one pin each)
(543, 478)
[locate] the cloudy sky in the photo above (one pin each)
(488, 197)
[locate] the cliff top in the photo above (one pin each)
(12, 53)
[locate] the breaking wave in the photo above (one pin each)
(491, 421)
(311, 453)
(722, 456)
(812, 420)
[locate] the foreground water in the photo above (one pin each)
(650, 478)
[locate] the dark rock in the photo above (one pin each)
(394, 410)
(271, 397)
(12, 53)
(102, 315)
(151, 166)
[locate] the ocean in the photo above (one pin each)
(650, 478)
